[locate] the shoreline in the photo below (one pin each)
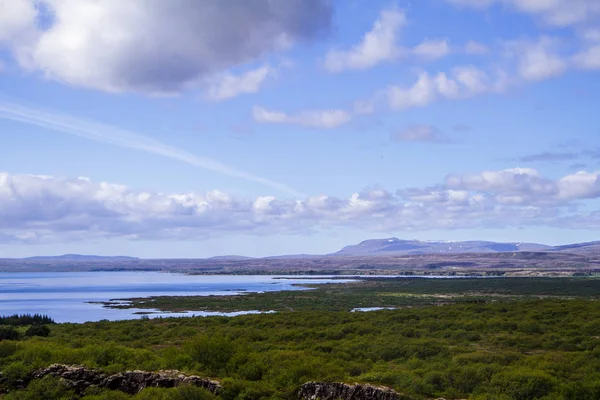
(385, 292)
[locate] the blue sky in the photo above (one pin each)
(193, 129)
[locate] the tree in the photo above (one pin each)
(37, 330)
(8, 333)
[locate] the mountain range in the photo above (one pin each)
(381, 247)
(397, 246)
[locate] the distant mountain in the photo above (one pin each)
(371, 247)
(229, 258)
(80, 257)
(295, 256)
(395, 246)
(579, 248)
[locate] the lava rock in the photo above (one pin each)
(342, 391)
(79, 378)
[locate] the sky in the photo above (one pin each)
(189, 128)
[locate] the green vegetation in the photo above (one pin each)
(531, 348)
(26, 319)
(37, 330)
(379, 292)
(11, 327)
(52, 388)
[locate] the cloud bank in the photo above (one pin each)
(37, 208)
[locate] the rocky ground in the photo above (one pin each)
(80, 379)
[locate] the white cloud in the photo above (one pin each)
(473, 47)
(524, 61)
(591, 34)
(423, 92)
(327, 119)
(432, 49)
(526, 185)
(43, 208)
(226, 86)
(474, 80)
(17, 20)
(510, 181)
(157, 46)
(124, 138)
(363, 107)
(377, 46)
(558, 13)
(472, 3)
(580, 185)
(589, 58)
(462, 82)
(420, 133)
(537, 60)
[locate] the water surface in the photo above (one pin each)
(65, 296)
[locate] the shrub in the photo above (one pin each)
(212, 352)
(15, 373)
(7, 349)
(523, 384)
(8, 333)
(45, 388)
(38, 330)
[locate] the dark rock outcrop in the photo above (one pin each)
(342, 391)
(80, 378)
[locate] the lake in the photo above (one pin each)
(64, 296)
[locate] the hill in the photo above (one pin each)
(79, 257)
(395, 246)
(579, 248)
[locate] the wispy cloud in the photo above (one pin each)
(555, 156)
(557, 13)
(126, 139)
(460, 127)
(476, 48)
(432, 49)
(550, 156)
(420, 133)
(226, 86)
(325, 119)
